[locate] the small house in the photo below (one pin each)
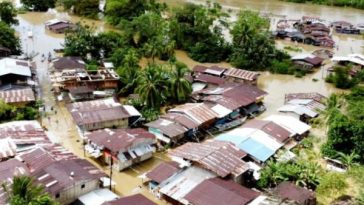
(15, 72)
(307, 61)
(103, 113)
(299, 129)
(59, 26)
(241, 76)
(121, 148)
(81, 93)
(67, 180)
(158, 176)
(303, 106)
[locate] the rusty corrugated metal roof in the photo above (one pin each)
(223, 158)
(122, 140)
(199, 112)
(241, 74)
(163, 171)
(17, 95)
(96, 111)
(216, 191)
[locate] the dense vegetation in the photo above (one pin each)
(346, 125)
(24, 191)
(88, 8)
(8, 39)
(38, 5)
(351, 3)
(341, 77)
(10, 113)
(8, 13)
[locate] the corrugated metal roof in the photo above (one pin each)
(223, 158)
(179, 186)
(221, 110)
(167, 127)
(14, 66)
(241, 74)
(18, 95)
(216, 191)
(57, 176)
(120, 140)
(136, 199)
(181, 119)
(24, 132)
(7, 148)
(163, 171)
(290, 123)
(199, 112)
(205, 78)
(256, 143)
(312, 95)
(9, 169)
(97, 111)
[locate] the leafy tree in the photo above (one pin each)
(252, 46)
(153, 86)
(8, 13)
(6, 111)
(108, 42)
(8, 39)
(25, 192)
(181, 88)
(118, 10)
(303, 173)
(346, 128)
(129, 71)
(348, 159)
(38, 5)
(89, 8)
(198, 30)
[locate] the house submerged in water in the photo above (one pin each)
(121, 148)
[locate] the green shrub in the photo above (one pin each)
(332, 183)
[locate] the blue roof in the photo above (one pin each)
(256, 149)
(231, 138)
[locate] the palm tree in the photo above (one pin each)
(25, 192)
(153, 86)
(348, 159)
(181, 88)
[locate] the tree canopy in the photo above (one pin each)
(8, 39)
(198, 30)
(118, 10)
(25, 192)
(8, 13)
(38, 5)
(346, 127)
(253, 48)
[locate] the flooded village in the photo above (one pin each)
(94, 142)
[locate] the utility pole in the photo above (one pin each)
(111, 164)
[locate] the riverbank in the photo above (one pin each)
(358, 4)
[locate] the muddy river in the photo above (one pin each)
(61, 127)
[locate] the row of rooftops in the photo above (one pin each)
(213, 103)
(206, 183)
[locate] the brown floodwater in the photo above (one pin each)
(63, 129)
